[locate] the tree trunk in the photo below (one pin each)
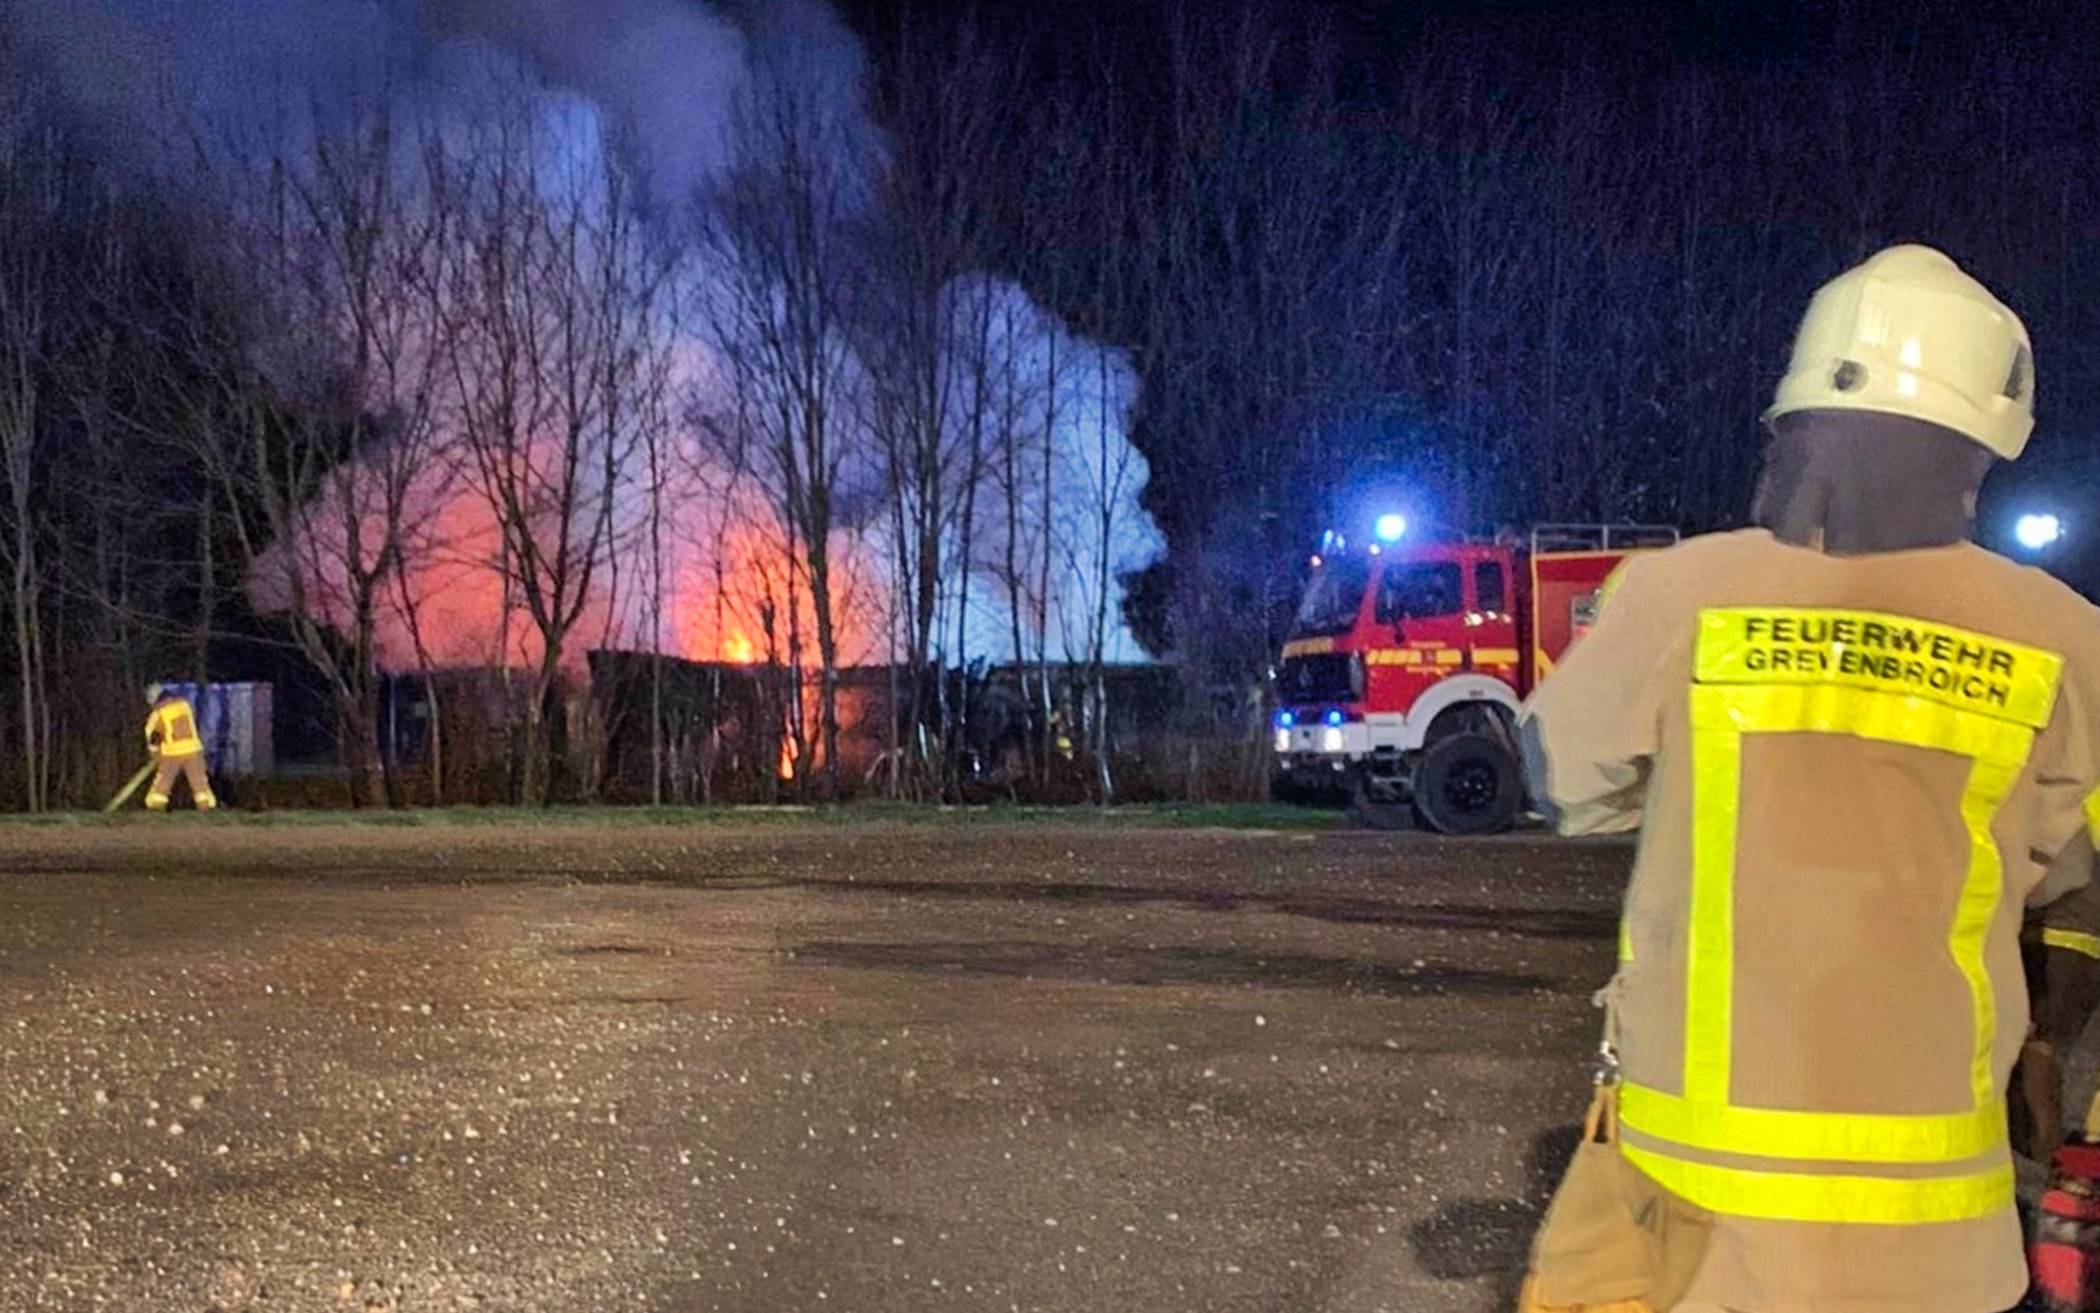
(434, 736)
(207, 595)
(30, 673)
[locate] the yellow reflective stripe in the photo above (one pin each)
(2092, 816)
(1817, 1136)
(1721, 715)
(1298, 647)
(1418, 655)
(1717, 776)
(1991, 779)
(1625, 939)
(1804, 1197)
(1876, 677)
(2077, 941)
(1882, 653)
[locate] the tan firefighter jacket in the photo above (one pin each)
(1841, 768)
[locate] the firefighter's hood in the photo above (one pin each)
(1851, 483)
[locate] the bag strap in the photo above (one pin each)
(1606, 1000)
(1600, 1125)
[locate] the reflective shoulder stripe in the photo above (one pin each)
(1814, 1136)
(1882, 653)
(2077, 941)
(2092, 816)
(1805, 1197)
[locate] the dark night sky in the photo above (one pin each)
(1378, 34)
(1791, 42)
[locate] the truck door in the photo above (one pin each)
(1493, 622)
(1422, 605)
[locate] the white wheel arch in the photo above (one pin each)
(1457, 691)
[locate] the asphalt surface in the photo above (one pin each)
(852, 1067)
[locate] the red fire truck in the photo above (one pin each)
(1400, 684)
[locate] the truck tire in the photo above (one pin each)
(1375, 808)
(1468, 784)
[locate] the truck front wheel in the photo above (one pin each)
(1468, 784)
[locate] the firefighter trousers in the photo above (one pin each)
(191, 768)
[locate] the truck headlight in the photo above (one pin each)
(1331, 740)
(1283, 740)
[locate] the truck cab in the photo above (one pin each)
(1407, 662)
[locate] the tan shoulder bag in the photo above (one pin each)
(1613, 1241)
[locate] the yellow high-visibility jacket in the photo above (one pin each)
(171, 729)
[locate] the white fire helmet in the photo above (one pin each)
(1908, 333)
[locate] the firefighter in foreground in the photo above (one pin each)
(1843, 736)
(172, 738)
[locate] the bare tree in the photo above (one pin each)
(772, 239)
(32, 292)
(318, 427)
(549, 292)
(923, 326)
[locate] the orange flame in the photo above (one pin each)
(731, 594)
(787, 758)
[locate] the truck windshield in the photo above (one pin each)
(1332, 596)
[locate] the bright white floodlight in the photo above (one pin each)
(1391, 527)
(2035, 532)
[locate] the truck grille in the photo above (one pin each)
(1320, 678)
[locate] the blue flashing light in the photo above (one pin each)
(1391, 527)
(1334, 717)
(1285, 719)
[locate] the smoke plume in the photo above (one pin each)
(149, 79)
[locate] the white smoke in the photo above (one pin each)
(151, 79)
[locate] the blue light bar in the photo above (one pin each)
(1284, 720)
(1334, 717)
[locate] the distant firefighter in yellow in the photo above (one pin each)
(177, 748)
